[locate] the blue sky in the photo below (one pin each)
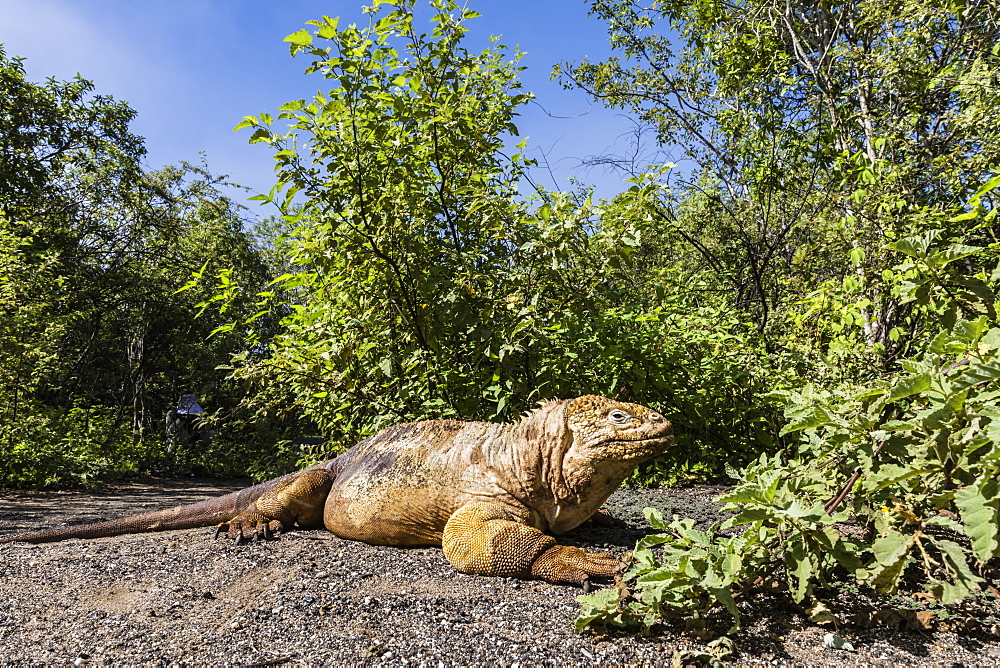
(193, 68)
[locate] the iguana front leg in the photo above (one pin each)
(298, 499)
(489, 539)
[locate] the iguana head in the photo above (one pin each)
(569, 456)
(606, 431)
(592, 445)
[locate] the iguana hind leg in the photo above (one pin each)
(297, 500)
(489, 539)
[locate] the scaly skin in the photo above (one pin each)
(489, 494)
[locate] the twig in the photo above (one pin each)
(832, 504)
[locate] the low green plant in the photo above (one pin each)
(692, 571)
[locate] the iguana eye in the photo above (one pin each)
(619, 417)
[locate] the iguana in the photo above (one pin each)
(486, 492)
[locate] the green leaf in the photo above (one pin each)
(951, 253)
(300, 38)
(893, 474)
(977, 374)
(651, 540)
(915, 247)
(933, 419)
(801, 566)
(741, 494)
(950, 593)
(979, 291)
(891, 555)
(943, 521)
(969, 331)
(600, 605)
(815, 416)
(259, 135)
(665, 574)
(247, 122)
(844, 551)
(724, 596)
(655, 518)
(979, 507)
(987, 187)
(965, 581)
(909, 386)
(898, 425)
(328, 29)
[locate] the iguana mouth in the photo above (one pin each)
(647, 446)
(653, 439)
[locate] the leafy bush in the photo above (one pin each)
(46, 448)
(912, 460)
(420, 285)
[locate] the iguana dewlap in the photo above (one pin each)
(488, 493)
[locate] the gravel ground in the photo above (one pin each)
(179, 598)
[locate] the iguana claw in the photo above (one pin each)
(562, 564)
(249, 528)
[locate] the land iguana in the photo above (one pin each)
(488, 493)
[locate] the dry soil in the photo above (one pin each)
(310, 598)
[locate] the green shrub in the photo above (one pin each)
(912, 459)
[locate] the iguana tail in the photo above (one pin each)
(204, 513)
